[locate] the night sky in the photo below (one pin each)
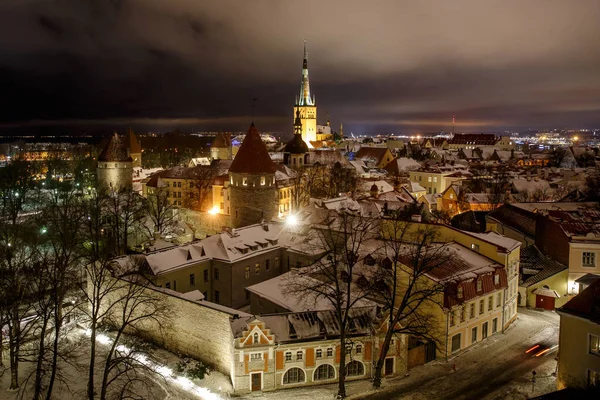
(381, 65)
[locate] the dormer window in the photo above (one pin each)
(255, 338)
(479, 285)
(496, 279)
(459, 292)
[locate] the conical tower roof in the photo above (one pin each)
(252, 157)
(133, 143)
(114, 150)
(222, 140)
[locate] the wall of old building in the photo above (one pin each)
(114, 175)
(253, 198)
(574, 357)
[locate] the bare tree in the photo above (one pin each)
(124, 211)
(332, 278)
(410, 297)
(201, 180)
(160, 210)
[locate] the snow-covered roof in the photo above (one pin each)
(406, 164)
(497, 239)
(531, 185)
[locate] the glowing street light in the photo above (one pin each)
(292, 220)
(214, 210)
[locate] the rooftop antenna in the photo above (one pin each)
(453, 122)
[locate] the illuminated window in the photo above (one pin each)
(475, 247)
(262, 180)
(595, 344)
(247, 272)
(245, 181)
(429, 179)
(257, 268)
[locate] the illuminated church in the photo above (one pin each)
(306, 106)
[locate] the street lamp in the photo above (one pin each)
(214, 210)
(292, 220)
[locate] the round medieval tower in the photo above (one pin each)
(114, 171)
(252, 182)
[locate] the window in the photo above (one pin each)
(179, 195)
(216, 296)
(355, 368)
(490, 303)
(216, 274)
(451, 196)
(319, 353)
(168, 285)
(276, 262)
(474, 335)
(358, 349)
(178, 184)
(293, 375)
(481, 306)
(479, 285)
(257, 268)
(459, 292)
(262, 181)
(205, 273)
(330, 352)
(324, 371)
(462, 314)
(472, 311)
(247, 272)
(588, 259)
(299, 355)
(192, 280)
(475, 247)
(499, 300)
(435, 178)
(288, 356)
(255, 356)
(428, 179)
(456, 343)
(255, 338)
(245, 181)
(451, 318)
(267, 265)
(595, 344)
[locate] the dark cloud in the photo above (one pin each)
(387, 65)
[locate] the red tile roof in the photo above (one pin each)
(114, 150)
(252, 157)
(481, 139)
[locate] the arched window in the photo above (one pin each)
(355, 368)
(323, 372)
(293, 375)
(255, 337)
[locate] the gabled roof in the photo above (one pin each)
(480, 139)
(114, 150)
(533, 259)
(586, 304)
(516, 218)
(252, 157)
(372, 152)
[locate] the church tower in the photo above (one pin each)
(306, 105)
(295, 153)
(252, 182)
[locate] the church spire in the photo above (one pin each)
(305, 98)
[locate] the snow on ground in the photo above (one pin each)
(164, 385)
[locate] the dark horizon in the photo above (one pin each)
(398, 67)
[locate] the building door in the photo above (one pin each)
(544, 302)
(484, 330)
(389, 366)
(256, 382)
